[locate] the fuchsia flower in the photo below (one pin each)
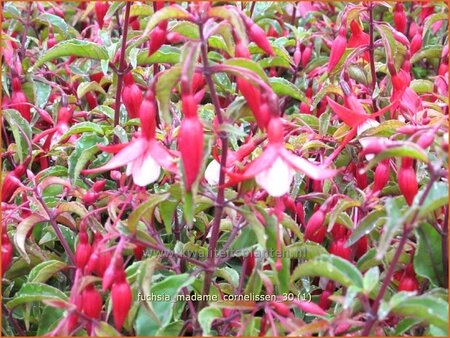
(337, 48)
(144, 156)
(274, 170)
(358, 38)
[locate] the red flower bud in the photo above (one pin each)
(337, 49)
(12, 181)
(147, 114)
(83, 251)
(101, 8)
(416, 42)
(399, 17)
(7, 252)
(190, 142)
(281, 308)
(306, 56)
(138, 252)
(92, 302)
(324, 302)
(121, 297)
(408, 283)
(315, 230)
(425, 140)
(361, 177)
(361, 247)
(297, 55)
(157, 37)
(91, 100)
(99, 185)
(407, 180)
(131, 96)
(90, 198)
(250, 264)
(381, 176)
(338, 248)
(19, 100)
(258, 36)
(103, 262)
(65, 114)
(339, 231)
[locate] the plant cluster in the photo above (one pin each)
(224, 168)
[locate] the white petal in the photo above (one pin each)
(277, 179)
(212, 172)
(365, 140)
(367, 125)
(129, 169)
(145, 170)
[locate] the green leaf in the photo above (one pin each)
(170, 12)
(166, 54)
(43, 91)
(168, 288)
(72, 47)
(386, 306)
(371, 279)
(15, 120)
(60, 26)
(45, 270)
(340, 207)
(422, 86)
(85, 148)
(206, 316)
(36, 292)
(163, 89)
(331, 267)
(430, 309)
(394, 222)
(429, 53)
(283, 87)
(407, 149)
(437, 197)
(82, 127)
(103, 329)
(307, 250)
(366, 225)
(145, 208)
(22, 230)
(87, 87)
(248, 64)
(428, 255)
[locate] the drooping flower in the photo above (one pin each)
(121, 297)
(157, 37)
(274, 170)
(190, 140)
(131, 96)
(144, 155)
(337, 48)
(358, 38)
(19, 100)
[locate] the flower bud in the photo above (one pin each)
(337, 49)
(306, 56)
(407, 180)
(399, 17)
(416, 42)
(157, 37)
(83, 251)
(426, 139)
(92, 302)
(258, 36)
(101, 8)
(338, 248)
(361, 247)
(281, 308)
(99, 185)
(408, 283)
(121, 297)
(315, 229)
(381, 176)
(18, 99)
(131, 96)
(324, 301)
(7, 252)
(250, 264)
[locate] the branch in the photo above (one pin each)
(122, 65)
